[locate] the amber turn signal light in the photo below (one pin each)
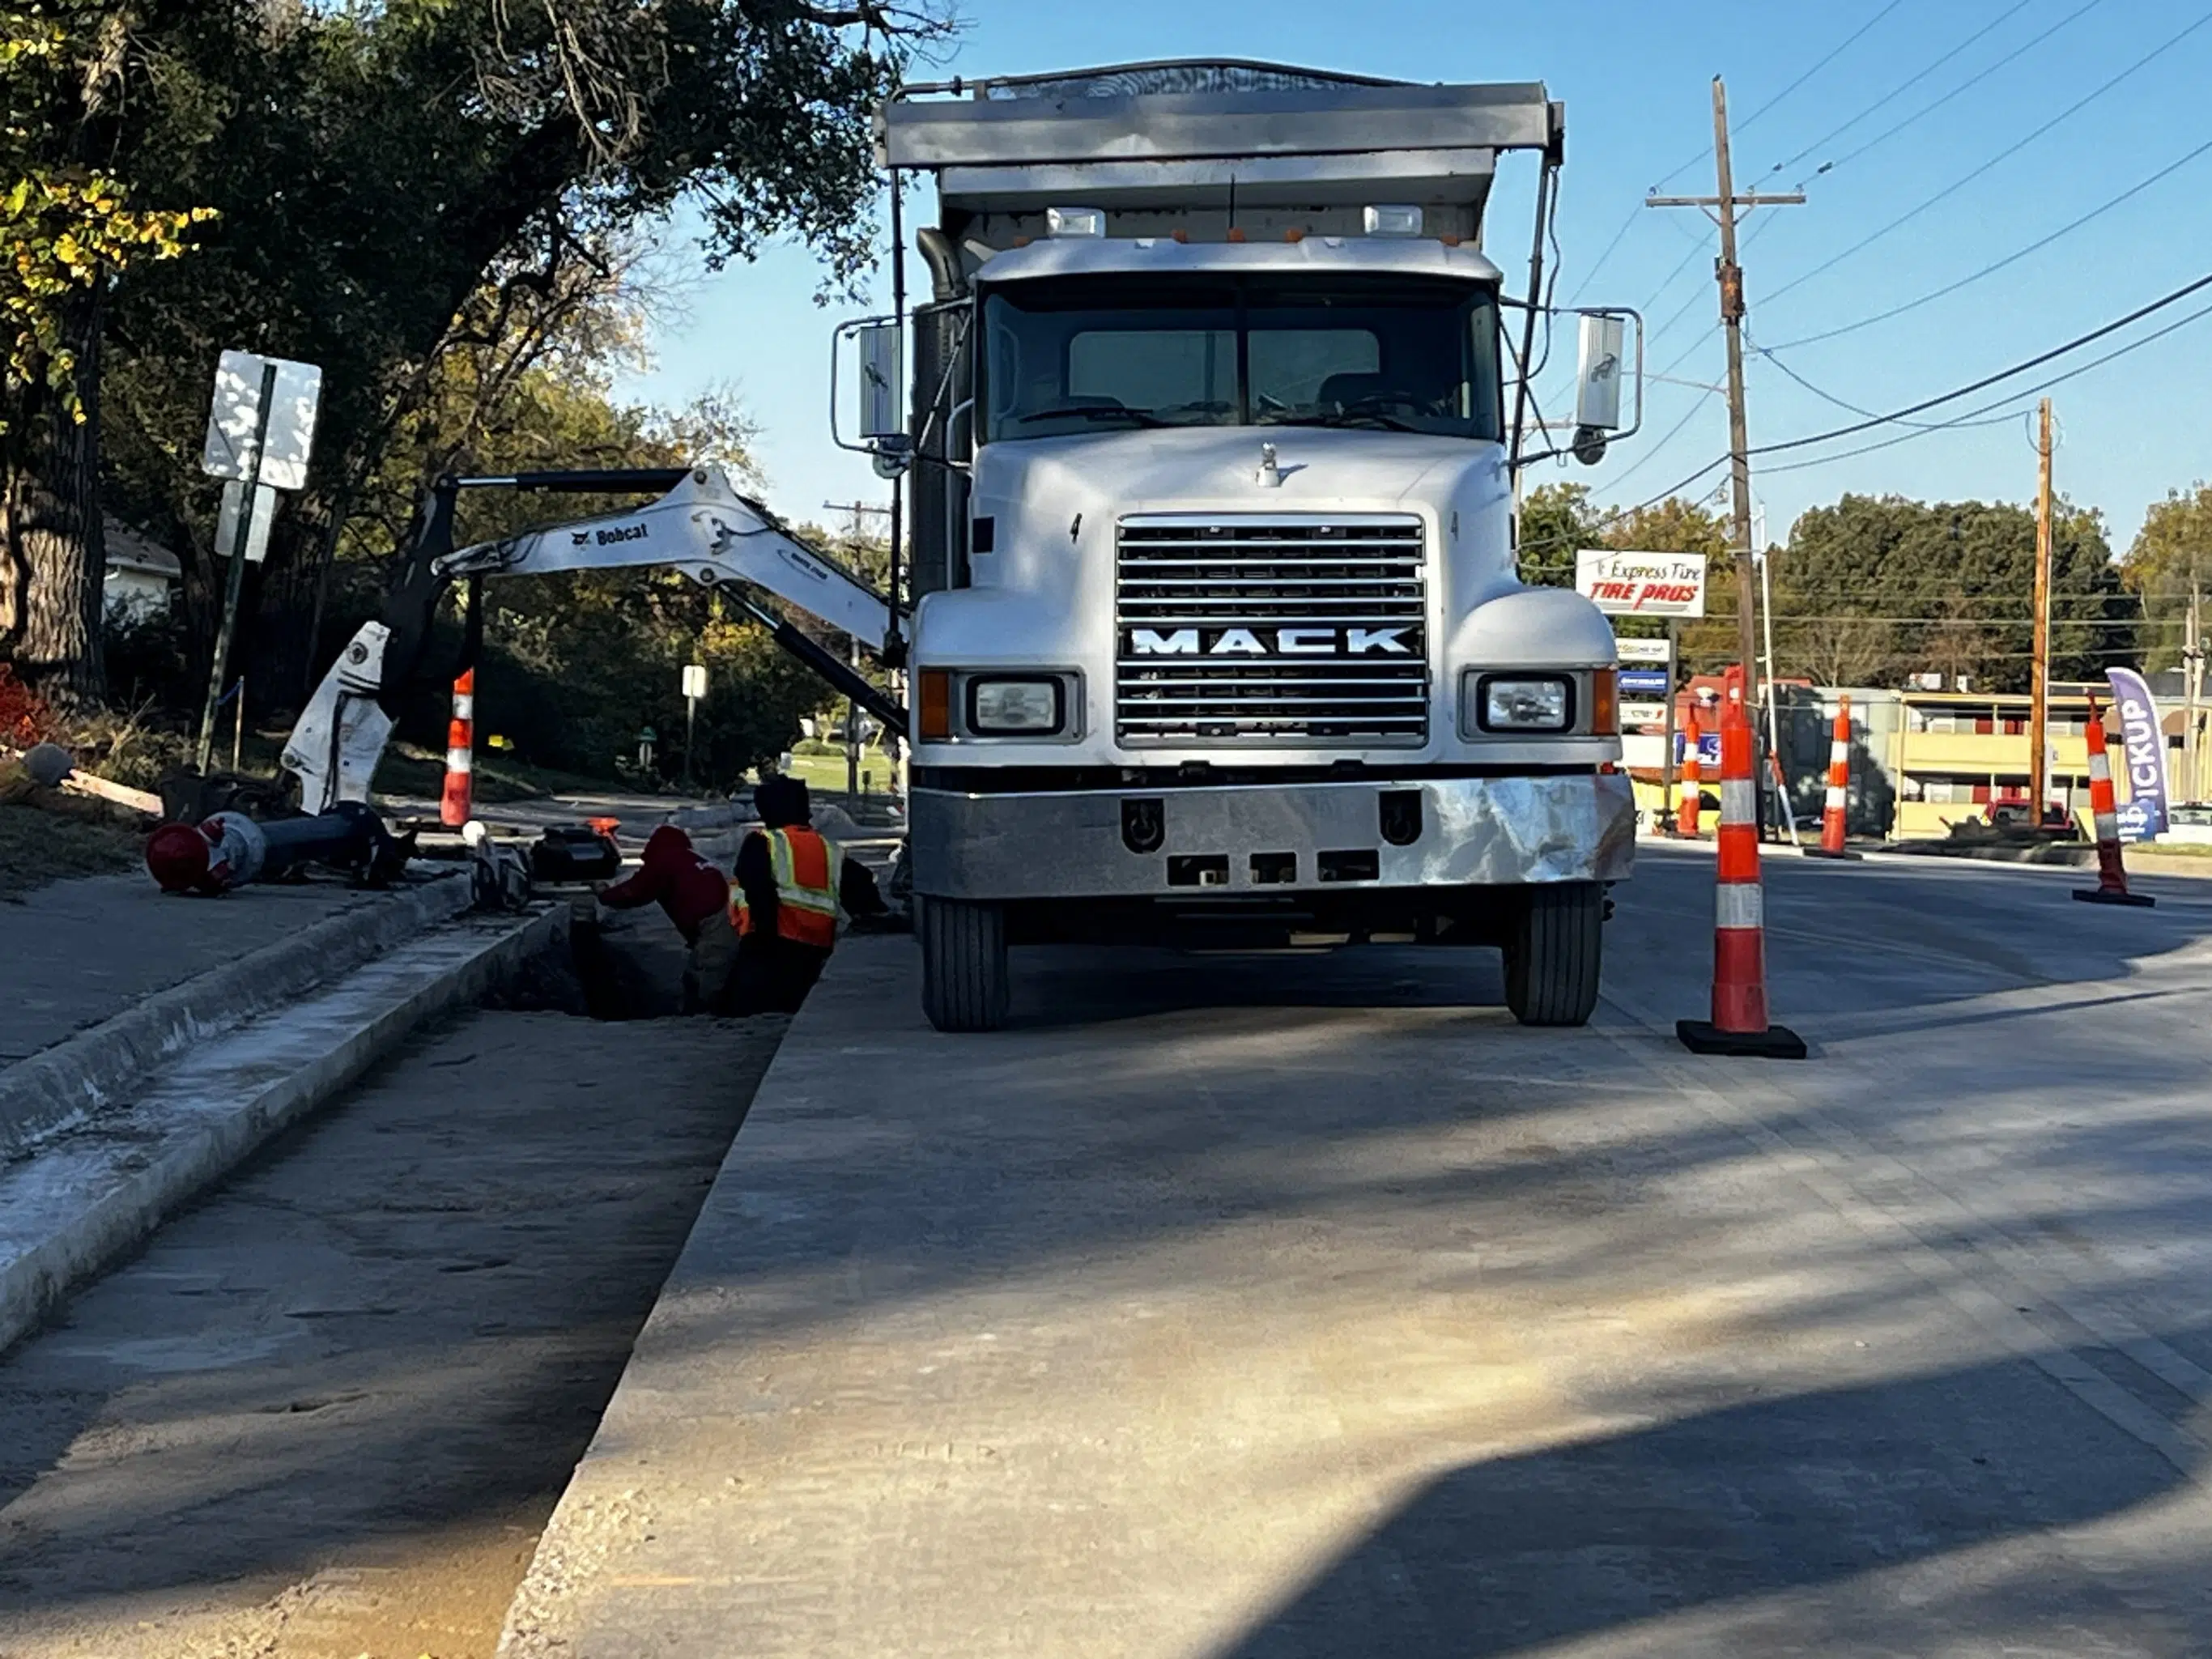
(935, 705)
(1605, 702)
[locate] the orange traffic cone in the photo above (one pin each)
(458, 799)
(2112, 886)
(1693, 779)
(1739, 1024)
(1839, 788)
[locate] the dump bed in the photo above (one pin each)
(1197, 147)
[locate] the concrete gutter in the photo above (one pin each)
(89, 1195)
(95, 1068)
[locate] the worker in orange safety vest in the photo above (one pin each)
(783, 902)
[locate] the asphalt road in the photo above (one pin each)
(1291, 1306)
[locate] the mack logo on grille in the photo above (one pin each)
(1274, 642)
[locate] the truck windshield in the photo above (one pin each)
(1100, 354)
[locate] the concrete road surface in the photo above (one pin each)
(1303, 1306)
(326, 1410)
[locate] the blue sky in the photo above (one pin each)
(1635, 80)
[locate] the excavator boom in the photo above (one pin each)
(701, 526)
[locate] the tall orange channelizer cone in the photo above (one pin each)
(458, 799)
(1693, 779)
(2112, 886)
(1739, 1024)
(1839, 788)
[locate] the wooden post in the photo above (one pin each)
(2038, 691)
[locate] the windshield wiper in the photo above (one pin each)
(1347, 417)
(1095, 412)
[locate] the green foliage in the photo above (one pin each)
(2171, 558)
(1873, 589)
(67, 228)
(1556, 521)
(429, 198)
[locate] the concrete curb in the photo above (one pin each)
(94, 1068)
(87, 1198)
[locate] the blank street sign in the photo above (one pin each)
(257, 535)
(236, 415)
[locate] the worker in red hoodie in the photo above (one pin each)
(695, 894)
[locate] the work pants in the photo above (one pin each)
(709, 963)
(773, 975)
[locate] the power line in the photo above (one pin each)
(1848, 42)
(2133, 190)
(1834, 52)
(1967, 390)
(1967, 85)
(1590, 276)
(1767, 352)
(2014, 148)
(2020, 367)
(1906, 85)
(2010, 396)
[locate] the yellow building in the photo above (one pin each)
(1954, 755)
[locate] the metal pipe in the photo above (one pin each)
(894, 649)
(1535, 304)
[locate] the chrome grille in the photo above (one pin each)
(1286, 630)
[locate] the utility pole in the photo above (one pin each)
(1721, 209)
(859, 510)
(2193, 659)
(2038, 690)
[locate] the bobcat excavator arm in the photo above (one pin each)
(700, 526)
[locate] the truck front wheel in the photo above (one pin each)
(1552, 950)
(964, 985)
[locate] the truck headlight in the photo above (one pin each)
(1523, 703)
(1001, 707)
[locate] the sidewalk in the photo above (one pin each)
(78, 952)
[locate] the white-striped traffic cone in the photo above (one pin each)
(2112, 886)
(1693, 779)
(458, 798)
(1739, 1024)
(1839, 788)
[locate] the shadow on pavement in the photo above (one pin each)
(1768, 1519)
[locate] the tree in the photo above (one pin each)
(1873, 589)
(1556, 521)
(2170, 561)
(397, 182)
(69, 230)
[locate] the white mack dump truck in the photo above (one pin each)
(1215, 420)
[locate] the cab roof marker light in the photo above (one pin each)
(1393, 219)
(1075, 222)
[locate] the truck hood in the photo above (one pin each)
(1216, 469)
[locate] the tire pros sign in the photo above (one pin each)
(1642, 584)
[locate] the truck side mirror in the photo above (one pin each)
(1599, 369)
(879, 374)
(883, 379)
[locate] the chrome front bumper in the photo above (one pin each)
(1472, 832)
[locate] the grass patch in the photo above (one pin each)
(37, 847)
(825, 774)
(408, 770)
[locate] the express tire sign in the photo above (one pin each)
(1643, 584)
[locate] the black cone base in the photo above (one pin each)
(1775, 1042)
(1823, 853)
(2104, 896)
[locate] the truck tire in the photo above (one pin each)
(1553, 953)
(964, 985)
